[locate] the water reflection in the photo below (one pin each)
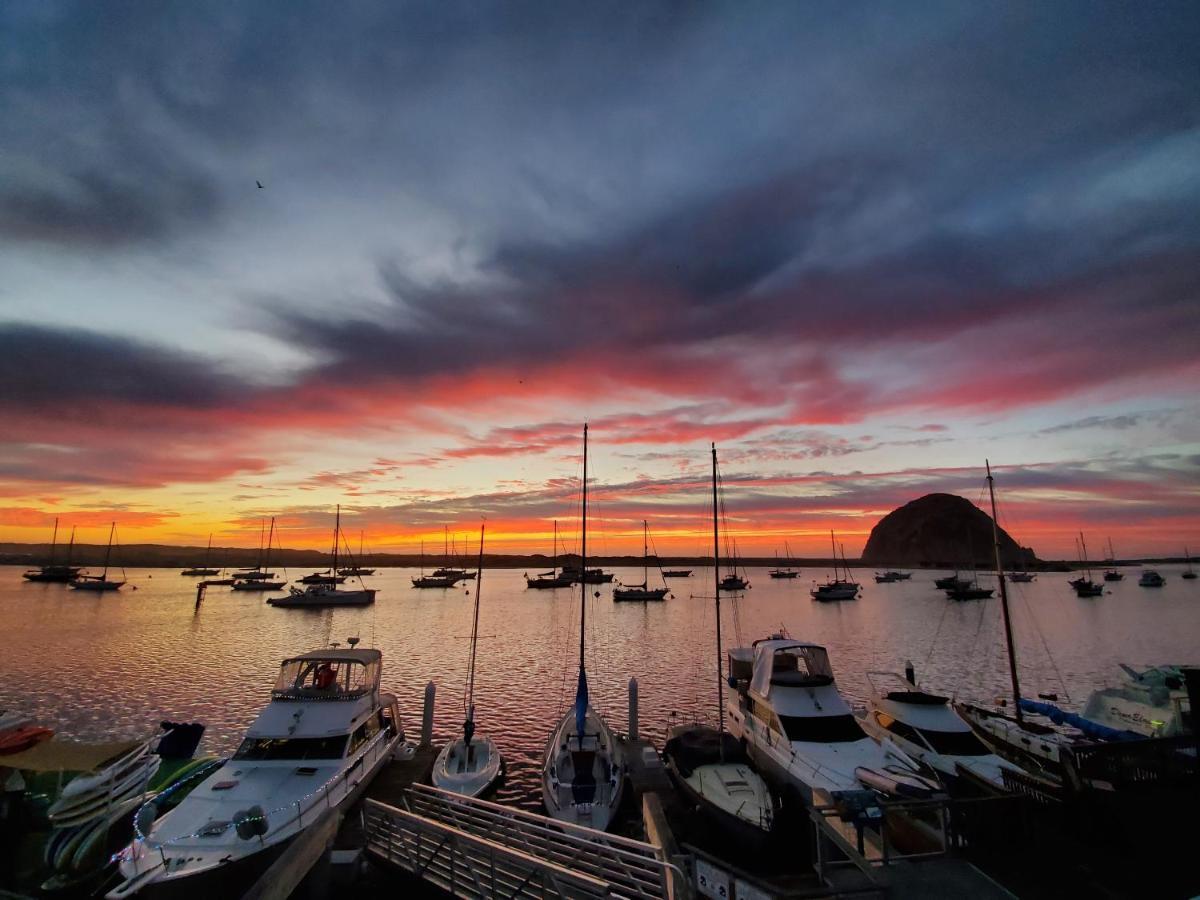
(96, 666)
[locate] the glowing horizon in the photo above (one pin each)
(858, 248)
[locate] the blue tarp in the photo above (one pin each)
(581, 702)
(1087, 726)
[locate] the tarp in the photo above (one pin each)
(1087, 726)
(68, 756)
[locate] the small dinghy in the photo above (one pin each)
(470, 765)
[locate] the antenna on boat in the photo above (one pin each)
(1012, 658)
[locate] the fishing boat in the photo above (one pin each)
(326, 593)
(1150, 578)
(787, 571)
(259, 578)
(202, 570)
(583, 768)
(326, 732)
(101, 582)
(435, 580)
(838, 588)
(642, 592)
(1112, 573)
(801, 732)
(52, 573)
(710, 767)
(551, 580)
(927, 728)
(470, 765)
(1083, 585)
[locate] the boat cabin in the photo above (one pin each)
(329, 675)
(789, 664)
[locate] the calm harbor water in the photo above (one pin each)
(114, 665)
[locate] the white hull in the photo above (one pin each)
(589, 797)
(470, 775)
(324, 596)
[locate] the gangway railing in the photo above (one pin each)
(474, 848)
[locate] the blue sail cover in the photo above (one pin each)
(1087, 726)
(581, 703)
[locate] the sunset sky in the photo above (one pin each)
(861, 247)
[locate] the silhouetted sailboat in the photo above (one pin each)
(328, 594)
(101, 582)
(1083, 585)
(203, 570)
(552, 579)
(643, 591)
(59, 574)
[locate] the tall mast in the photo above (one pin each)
(70, 546)
(446, 545)
(1008, 638)
(469, 724)
(337, 530)
(717, 595)
(262, 532)
(833, 546)
(53, 541)
(208, 551)
(554, 549)
(645, 554)
(1086, 566)
(108, 551)
(583, 561)
(270, 540)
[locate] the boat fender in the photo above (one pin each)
(250, 823)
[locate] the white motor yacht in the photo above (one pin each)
(800, 731)
(926, 727)
(325, 734)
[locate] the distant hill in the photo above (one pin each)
(941, 530)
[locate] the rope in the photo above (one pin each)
(974, 642)
(936, 633)
(1045, 646)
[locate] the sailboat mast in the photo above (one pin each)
(262, 533)
(270, 540)
(554, 550)
(70, 546)
(1008, 638)
(1087, 567)
(474, 637)
(717, 596)
(833, 546)
(108, 552)
(645, 554)
(583, 560)
(337, 531)
(53, 541)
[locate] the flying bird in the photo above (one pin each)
(259, 183)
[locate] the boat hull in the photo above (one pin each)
(593, 798)
(474, 778)
(637, 595)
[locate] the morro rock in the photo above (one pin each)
(941, 530)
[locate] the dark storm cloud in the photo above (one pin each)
(48, 369)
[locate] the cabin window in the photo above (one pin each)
(955, 743)
(364, 733)
(822, 729)
(292, 748)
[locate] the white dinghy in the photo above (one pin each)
(470, 765)
(326, 732)
(583, 769)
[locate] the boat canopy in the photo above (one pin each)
(784, 663)
(329, 674)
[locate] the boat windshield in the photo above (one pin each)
(948, 743)
(292, 748)
(326, 678)
(822, 729)
(801, 666)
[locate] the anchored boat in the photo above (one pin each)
(642, 592)
(327, 593)
(326, 732)
(100, 583)
(50, 572)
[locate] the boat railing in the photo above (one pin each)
(435, 831)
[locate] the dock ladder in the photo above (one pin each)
(475, 849)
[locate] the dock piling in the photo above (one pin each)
(427, 715)
(633, 709)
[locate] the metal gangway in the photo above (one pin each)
(475, 849)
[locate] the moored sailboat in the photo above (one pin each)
(550, 580)
(643, 591)
(259, 578)
(202, 570)
(838, 588)
(583, 769)
(435, 580)
(51, 572)
(709, 765)
(1189, 573)
(1083, 585)
(100, 582)
(470, 765)
(788, 571)
(326, 593)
